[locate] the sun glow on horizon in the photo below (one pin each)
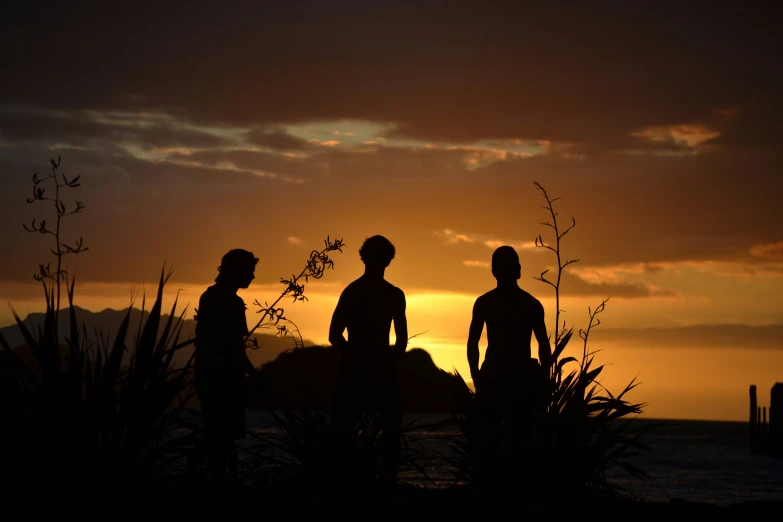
(438, 321)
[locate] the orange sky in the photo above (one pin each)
(271, 127)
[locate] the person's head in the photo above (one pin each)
(505, 264)
(237, 268)
(377, 252)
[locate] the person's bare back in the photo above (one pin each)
(366, 309)
(511, 316)
(368, 382)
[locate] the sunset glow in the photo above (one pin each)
(666, 155)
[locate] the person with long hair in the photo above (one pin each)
(221, 362)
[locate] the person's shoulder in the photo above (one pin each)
(490, 294)
(393, 287)
(485, 298)
(238, 301)
(208, 304)
(350, 290)
(207, 295)
(218, 297)
(352, 286)
(532, 301)
(396, 293)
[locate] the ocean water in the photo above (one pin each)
(704, 461)
(697, 461)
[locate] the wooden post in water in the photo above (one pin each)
(753, 430)
(776, 420)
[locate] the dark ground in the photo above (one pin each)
(198, 503)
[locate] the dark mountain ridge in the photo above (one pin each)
(105, 324)
(291, 377)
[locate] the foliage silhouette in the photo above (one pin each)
(75, 414)
(81, 417)
(60, 250)
(272, 315)
(579, 429)
(301, 454)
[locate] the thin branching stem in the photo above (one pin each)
(584, 334)
(560, 332)
(314, 268)
(60, 249)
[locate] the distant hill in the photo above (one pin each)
(293, 378)
(307, 378)
(106, 322)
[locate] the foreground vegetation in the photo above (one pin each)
(97, 410)
(575, 431)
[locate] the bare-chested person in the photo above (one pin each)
(512, 316)
(368, 382)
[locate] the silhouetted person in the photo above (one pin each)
(508, 379)
(221, 362)
(368, 382)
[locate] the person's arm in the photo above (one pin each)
(474, 335)
(400, 326)
(338, 325)
(248, 367)
(250, 370)
(544, 348)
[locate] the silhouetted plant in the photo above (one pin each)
(302, 453)
(562, 334)
(83, 413)
(60, 182)
(577, 429)
(589, 422)
(273, 316)
(84, 409)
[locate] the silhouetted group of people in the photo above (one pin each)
(368, 384)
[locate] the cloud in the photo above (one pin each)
(565, 92)
(293, 240)
(523, 245)
(246, 159)
(27, 123)
(485, 152)
(325, 143)
(713, 336)
(603, 273)
(681, 138)
(768, 250)
(451, 237)
(754, 124)
(574, 285)
(477, 264)
(276, 140)
(738, 267)
(215, 141)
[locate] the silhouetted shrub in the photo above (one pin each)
(79, 416)
(576, 432)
